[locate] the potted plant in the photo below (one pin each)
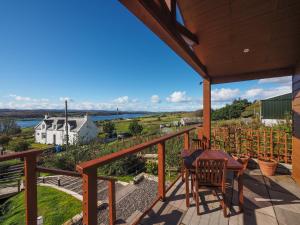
(267, 166)
(241, 158)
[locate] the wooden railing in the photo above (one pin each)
(88, 172)
(271, 143)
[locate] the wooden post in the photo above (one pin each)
(161, 170)
(112, 202)
(265, 142)
(207, 110)
(90, 197)
(285, 149)
(187, 140)
(30, 190)
(258, 144)
(279, 146)
(271, 143)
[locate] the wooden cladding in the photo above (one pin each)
(296, 124)
(256, 143)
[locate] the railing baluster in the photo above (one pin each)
(90, 197)
(30, 189)
(187, 140)
(161, 170)
(112, 202)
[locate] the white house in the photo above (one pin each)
(190, 121)
(52, 130)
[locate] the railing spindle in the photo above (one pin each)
(30, 189)
(161, 170)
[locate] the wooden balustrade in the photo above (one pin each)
(89, 172)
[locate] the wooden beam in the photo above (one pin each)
(253, 75)
(151, 15)
(207, 110)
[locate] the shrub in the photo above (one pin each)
(4, 140)
(108, 127)
(18, 145)
(152, 167)
(135, 128)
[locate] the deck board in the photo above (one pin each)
(266, 202)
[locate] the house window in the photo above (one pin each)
(38, 134)
(54, 127)
(43, 135)
(43, 126)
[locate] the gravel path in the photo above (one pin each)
(140, 199)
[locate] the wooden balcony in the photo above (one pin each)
(268, 200)
(273, 200)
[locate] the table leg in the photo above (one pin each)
(240, 192)
(187, 189)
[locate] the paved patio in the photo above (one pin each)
(268, 201)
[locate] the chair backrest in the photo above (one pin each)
(200, 143)
(211, 172)
(197, 143)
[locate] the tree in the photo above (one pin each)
(135, 128)
(4, 140)
(9, 126)
(231, 111)
(18, 145)
(108, 127)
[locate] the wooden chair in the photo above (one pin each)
(200, 143)
(210, 173)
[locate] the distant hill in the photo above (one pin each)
(38, 113)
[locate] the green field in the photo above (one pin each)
(55, 206)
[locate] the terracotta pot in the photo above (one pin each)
(242, 159)
(267, 168)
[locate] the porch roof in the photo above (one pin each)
(227, 41)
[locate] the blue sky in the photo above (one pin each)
(100, 56)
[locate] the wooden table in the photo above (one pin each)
(189, 159)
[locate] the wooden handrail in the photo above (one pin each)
(70, 173)
(23, 154)
(89, 174)
(95, 163)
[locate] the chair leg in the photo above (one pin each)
(192, 188)
(224, 205)
(197, 199)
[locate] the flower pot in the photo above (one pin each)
(242, 159)
(267, 167)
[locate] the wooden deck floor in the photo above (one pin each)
(268, 201)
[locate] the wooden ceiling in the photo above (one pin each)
(237, 39)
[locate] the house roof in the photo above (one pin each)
(74, 122)
(228, 40)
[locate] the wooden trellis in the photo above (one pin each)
(267, 142)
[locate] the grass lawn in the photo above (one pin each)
(55, 206)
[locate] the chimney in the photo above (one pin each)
(66, 120)
(46, 116)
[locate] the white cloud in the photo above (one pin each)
(253, 93)
(155, 99)
(19, 98)
(122, 100)
(285, 81)
(178, 96)
(224, 94)
(66, 98)
(260, 93)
